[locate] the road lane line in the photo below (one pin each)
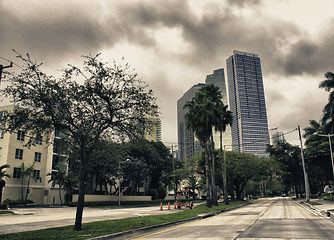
(170, 229)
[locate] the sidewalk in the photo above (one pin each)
(35, 218)
(323, 207)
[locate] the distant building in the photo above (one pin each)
(43, 155)
(277, 137)
(247, 103)
(218, 79)
(153, 130)
(188, 144)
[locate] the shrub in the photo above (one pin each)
(16, 202)
(153, 193)
(161, 192)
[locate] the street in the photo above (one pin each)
(277, 218)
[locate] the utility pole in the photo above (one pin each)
(3, 67)
(304, 169)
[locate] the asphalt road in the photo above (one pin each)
(278, 218)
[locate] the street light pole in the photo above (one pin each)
(119, 180)
(304, 169)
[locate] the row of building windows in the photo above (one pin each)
(21, 136)
(19, 155)
(17, 173)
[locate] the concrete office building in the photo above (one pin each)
(218, 79)
(247, 103)
(187, 143)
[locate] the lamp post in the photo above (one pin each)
(119, 179)
(307, 190)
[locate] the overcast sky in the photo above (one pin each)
(174, 44)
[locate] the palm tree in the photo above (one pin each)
(327, 119)
(29, 173)
(201, 118)
(225, 119)
(3, 174)
(315, 127)
(58, 177)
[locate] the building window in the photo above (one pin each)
(37, 157)
(18, 154)
(2, 133)
(36, 173)
(3, 115)
(20, 136)
(39, 140)
(17, 172)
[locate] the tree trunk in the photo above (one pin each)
(81, 195)
(213, 180)
(223, 160)
(207, 178)
(60, 194)
(27, 190)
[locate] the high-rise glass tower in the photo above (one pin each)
(247, 103)
(218, 79)
(187, 142)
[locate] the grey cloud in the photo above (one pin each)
(244, 3)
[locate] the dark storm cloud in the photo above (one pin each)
(243, 3)
(50, 32)
(55, 31)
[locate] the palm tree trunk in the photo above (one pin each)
(213, 181)
(27, 190)
(207, 178)
(223, 160)
(61, 202)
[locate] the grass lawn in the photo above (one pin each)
(5, 212)
(312, 203)
(94, 229)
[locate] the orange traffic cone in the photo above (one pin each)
(168, 206)
(174, 205)
(161, 206)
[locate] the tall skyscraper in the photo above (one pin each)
(187, 142)
(218, 79)
(247, 103)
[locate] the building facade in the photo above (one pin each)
(188, 145)
(218, 79)
(247, 103)
(153, 130)
(42, 155)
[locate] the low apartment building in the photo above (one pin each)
(42, 156)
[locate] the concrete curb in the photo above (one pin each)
(323, 212)
(200, 216)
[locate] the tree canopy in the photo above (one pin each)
(85, 104)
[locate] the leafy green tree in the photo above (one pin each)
(3, 174)
(327, 119)
(201, 117)
(27, 173)
(317, 157)
(241, 168)
(85, 104)
(288, 158)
